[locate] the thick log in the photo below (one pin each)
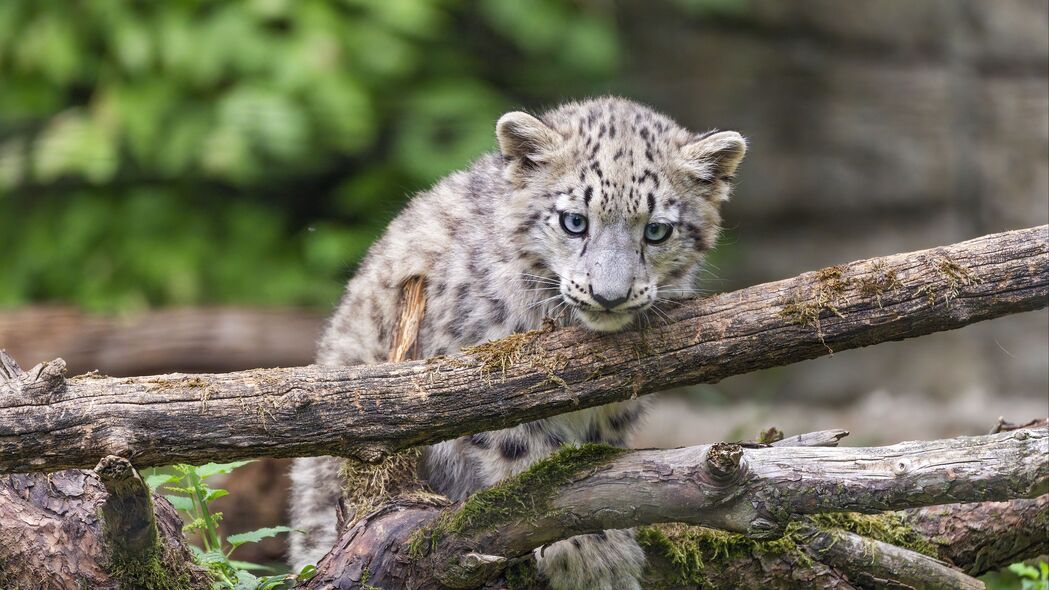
(383, 408)
(176, 339)
(984, 537)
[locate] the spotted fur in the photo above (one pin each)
(498, 260)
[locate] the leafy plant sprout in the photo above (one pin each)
(185, 487)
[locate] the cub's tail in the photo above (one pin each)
(315, 492)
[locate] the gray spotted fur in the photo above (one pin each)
(497, 261)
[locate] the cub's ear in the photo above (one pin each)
(712, 158)
(526, 139)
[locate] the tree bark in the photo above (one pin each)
(79, 529)
(54, 535)
(384, 408)
(756, 491)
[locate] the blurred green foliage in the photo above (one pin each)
(192, 151)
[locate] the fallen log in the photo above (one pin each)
(186, 339)
(788, 503)
(49, 423)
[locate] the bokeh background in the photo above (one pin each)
(186, 185)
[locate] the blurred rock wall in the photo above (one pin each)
(876, 127)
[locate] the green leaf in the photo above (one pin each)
(214, 494)
(1024, 571)
(246, 581)
(180, 502)
(247, 565)
(307, 572)
(209, 469)
(156, 480)
(256, 535)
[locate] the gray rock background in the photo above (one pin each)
(876, 127)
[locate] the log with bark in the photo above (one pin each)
(768, 506)
(59, 424)
(787, 503)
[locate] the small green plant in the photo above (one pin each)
(185, 487)
(1032, 578)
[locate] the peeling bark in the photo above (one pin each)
(53, 537)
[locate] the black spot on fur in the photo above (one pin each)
(593, 433)
(481, 440)
(576, 543)
(623, 420)
(513, 448)
(588, 193)
(651, 202)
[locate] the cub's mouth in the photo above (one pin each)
(604, 321)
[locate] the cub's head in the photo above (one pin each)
(615, 201)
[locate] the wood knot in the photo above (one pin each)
(901, 466)
(724, 460)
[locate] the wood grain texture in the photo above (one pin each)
(755, 491)
(369, 411)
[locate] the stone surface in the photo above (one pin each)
(875, 127)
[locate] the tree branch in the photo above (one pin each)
(382, 408)
(731, 488)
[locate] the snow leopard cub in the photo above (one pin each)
(593, 212)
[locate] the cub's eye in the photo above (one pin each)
(657, 233)
(573, 223)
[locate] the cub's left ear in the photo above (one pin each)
(712, 160)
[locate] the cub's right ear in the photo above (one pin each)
(525, 139)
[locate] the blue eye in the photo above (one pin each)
(573, 223)
(657, 233)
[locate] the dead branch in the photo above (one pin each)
(382, 408)
(755, 491)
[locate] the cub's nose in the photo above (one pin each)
(609, 302)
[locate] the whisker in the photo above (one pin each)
(662, 315)
(542, 301)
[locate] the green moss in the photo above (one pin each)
(523, 575)
(149, 571)
(500, 355)
(365, 576)
(879, 281)
(152, 568)
(519, 497)
(696, 552)
(888, 528)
